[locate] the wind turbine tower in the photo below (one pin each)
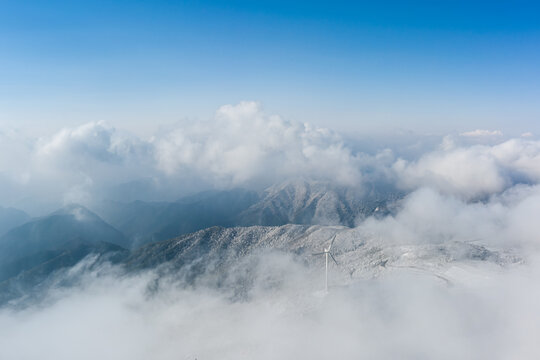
(326, 253)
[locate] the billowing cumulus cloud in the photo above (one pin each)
(428, 216)
(470, 172)
(243, 146)
(73, 164)
(473, 172)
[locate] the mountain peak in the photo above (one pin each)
(79, 212)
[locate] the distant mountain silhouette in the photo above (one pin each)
(145, 222)
(10, 218)
(293, 202)
(45, 238)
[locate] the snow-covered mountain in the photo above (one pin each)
(215, 252)
(292, 202)
(309, 215)
(60, 239)
(359, 255)
(313, 203)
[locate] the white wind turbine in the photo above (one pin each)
(327, 252)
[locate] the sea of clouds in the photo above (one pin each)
(475, 186)
(485, 311)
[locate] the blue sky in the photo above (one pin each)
(426, 66)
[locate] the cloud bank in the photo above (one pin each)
(460, 192)
(243, 146)
(473, 172)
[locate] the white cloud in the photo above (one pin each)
(469, 172)
(427, 216)
(241, 146)
(244, 144)
(89, 145)
(474, 171)
(520, 157)
(482, 133)
(71, 165)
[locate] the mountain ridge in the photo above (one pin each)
(40, 239)
(292, 202)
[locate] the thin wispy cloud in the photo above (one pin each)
(482, 133)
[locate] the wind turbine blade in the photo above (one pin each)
(332, 242)
(314, 254)
(333, 258)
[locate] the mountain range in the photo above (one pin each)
(294, 202)
(358, 254)
(211, 229)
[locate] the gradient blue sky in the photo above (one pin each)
(426, 66)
